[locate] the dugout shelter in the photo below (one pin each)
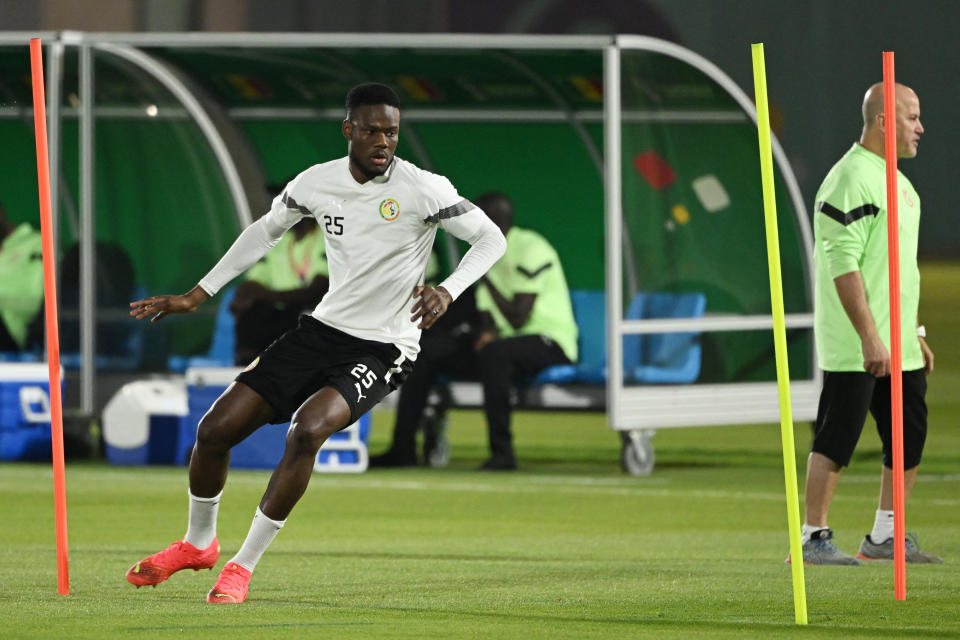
(635, 157)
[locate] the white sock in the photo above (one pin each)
(806, 531)
(262, 532)
(202, 526)
(882, 527)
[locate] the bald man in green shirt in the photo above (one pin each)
(528, 323)
(852, 329)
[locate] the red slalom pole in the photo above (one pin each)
(896, 351)
(50, 298)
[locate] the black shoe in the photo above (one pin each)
(499, 464)
(392, 460)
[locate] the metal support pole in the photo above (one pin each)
(54, 78)
(613, 221)
(54, 143)
(88, 299)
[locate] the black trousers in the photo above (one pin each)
(442, 353)
(844, 401)
(502, 364)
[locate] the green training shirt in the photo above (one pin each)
(292, 264)
(21, 280)
(531, 265)
(850, 232)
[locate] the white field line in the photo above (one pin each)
(921, 478)
(597, 486)
(519, 485)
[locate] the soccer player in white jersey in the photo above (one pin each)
(379, 215)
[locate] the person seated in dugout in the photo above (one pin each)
(21, 282)
(289, 280)
(527, 323)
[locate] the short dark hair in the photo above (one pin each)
(371, 93)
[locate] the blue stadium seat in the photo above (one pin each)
(664, 358)
(589, 313)
(670, 358)
(223, 346)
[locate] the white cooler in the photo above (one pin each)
(145, 422)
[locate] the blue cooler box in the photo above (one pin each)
(345, 451)
(25, 411)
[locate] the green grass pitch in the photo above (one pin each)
(568, 547)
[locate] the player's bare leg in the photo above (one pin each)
(823, 474)
(886, 486)
(323, 414)
(237, 413)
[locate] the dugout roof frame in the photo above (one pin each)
(628, 407)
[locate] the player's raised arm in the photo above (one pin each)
(255, 240)
(249, 247)
(252, 243)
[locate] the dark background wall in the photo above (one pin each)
(821, 55)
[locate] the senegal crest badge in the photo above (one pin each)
(389, 209)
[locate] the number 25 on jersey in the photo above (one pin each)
(333, 225)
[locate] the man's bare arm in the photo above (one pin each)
(516, 311)
(853, 297)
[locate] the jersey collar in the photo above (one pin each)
(379, 179)
(387, 174)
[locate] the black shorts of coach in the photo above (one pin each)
(315, 355)
(844, 401)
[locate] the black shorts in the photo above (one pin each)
(315, 355)
(844, 401)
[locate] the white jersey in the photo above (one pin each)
(378, 238)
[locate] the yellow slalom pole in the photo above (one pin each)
(779, 335)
